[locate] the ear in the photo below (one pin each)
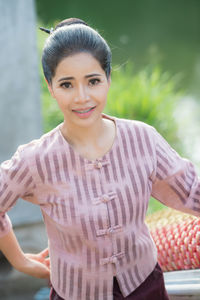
(49, 85)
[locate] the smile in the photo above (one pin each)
(83, 111)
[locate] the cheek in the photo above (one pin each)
(62, 97)
(102, 94)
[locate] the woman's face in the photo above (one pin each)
(80, 87)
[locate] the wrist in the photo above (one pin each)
(20, 262)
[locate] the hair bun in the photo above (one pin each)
(65, 22)
(70, 21)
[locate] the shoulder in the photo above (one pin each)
(138, 134)
(134, 125)
(40, 146)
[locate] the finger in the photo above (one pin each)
(44, 252)
(47, 262)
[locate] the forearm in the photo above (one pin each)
(36, 265)
(12, 250)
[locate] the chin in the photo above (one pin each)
(87, 122)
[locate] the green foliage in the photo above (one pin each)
(154, 205)
(149, 96)
(52, 116)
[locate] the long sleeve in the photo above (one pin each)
(175, 181)
(15, 182)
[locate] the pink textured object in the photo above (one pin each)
(177, 237)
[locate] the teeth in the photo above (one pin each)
(83, 111)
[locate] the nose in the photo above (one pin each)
(82, 94)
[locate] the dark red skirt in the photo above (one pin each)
(152, 288)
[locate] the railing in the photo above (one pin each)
(183, 284)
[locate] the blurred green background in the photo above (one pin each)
(156, 62)
(157, 31)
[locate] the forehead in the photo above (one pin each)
(79, 63)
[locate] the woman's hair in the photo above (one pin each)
(72, 36)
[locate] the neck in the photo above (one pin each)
(83, 135)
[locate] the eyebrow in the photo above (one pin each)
(87, 76)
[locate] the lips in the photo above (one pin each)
(83, 111)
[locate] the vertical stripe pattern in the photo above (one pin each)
(94, 211)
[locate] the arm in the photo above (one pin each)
(175, 181)
(16, 182)
(36, 265)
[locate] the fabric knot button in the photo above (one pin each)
(114, 260)
(105, 198)
(110, 230)
(98, 165)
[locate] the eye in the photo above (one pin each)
(94, 81)
(66, 85)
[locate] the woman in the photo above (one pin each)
(93, 176)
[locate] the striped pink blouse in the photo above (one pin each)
(94, 211)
